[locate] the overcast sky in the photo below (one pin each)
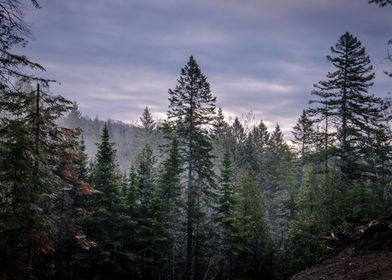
(115, 57)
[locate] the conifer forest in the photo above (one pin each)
(196, 194)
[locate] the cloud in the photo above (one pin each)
(116, 57)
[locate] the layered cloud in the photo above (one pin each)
(115, 57)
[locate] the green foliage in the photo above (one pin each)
(357, 114)
(37, 171)
(321, 208)
(14, 33)
(107, 219)
(147, 122)
(191, 113)
(254, 242)
(304, 134)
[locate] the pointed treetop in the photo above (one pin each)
(147, 122)
(381, 3)
(105, 132)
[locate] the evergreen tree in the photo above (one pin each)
(278, 183)
(148, 202)
(32, 147)
(381, 3)
(255, 146)
(303, 136)
(355, 112)
(227, 216)
(14, 33)
(83, 163)
(171, 209)
(147, 133)
(191, 110)
(237, 143)
(221, 136)
(147, 122)
(220, 126)
(72, 208)
(321, 208)
(254, 243)
(104, 223)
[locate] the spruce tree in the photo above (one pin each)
(321, 208)
(381, 3)
(147, 122)
(303, 135)
(104, 223)
(14, 32)
(191, 111)
(237, 143)
(227, 218)
(278, 183)
(171, 192)
(33, 148)
(255, 146)
(355, 112)
(148, 202)
(254, 243)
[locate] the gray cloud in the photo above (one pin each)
(115, 57)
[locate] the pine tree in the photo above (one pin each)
(278, 183)
(254, 243)
(221, 136)
(148, 203)
(172, 207)
(147, 132)
(72, 208)
(105, 222)
(321, 208)
(303, 135)
(147, 122)
(14, 33)
(191, 109)
(355, 112)
(381, 3)
(83, 166)
(255, 146)
(227, 216)
(105, 180)
(33, 148)
(237, 143)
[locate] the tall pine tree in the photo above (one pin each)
(191, 111)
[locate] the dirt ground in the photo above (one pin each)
(364, 255)
(369, 266)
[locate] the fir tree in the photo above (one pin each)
(147, 122)
(355, 112)
(381, 3)
(172, 207)
(14, 33)
(148, 202)
(278, 183)
(303, 135)
(254, 241)
(191, 109)
(105, 222)
(33, 148)
(321, 208)
(227, 216)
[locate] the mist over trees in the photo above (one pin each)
(194, 196)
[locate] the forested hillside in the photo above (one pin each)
(129, 139)
(193, 196)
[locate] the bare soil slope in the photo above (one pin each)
(367, 254)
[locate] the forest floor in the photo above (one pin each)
(364, 255)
